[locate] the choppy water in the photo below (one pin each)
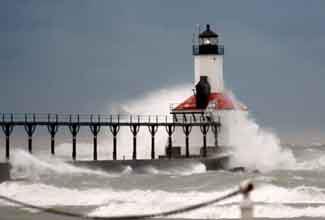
(280, 194)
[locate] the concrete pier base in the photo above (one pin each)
(137, 166)
(160, 164)
(4, 172)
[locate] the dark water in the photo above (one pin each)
(296, 192)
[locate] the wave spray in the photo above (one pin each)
(252, 146)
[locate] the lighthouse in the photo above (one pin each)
(209, 89)
(208, 60)
(210, 97)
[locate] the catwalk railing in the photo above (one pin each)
(30, 121)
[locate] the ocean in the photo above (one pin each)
(294, 193)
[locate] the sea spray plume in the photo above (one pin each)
(254, 147)
(154, 103)
(243, 133)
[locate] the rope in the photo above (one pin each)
(145, 216)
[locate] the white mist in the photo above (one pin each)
(253, 147)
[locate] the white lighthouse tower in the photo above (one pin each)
(208, 78)
(210, 97)
(208, 59)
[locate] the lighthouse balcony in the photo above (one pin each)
(207, 49)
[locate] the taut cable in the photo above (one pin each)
(242, 189)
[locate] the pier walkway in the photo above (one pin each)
(30, 121)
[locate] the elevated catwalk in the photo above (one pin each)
(52, 122)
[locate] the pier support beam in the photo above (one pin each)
(170, 130)
(153, 130)
(204, 129)
(215, 130)
(187, 130)
(95, 128)
(135, 130)
(115, 128)
(52, 127)
(74, 128)
(30, 128)
(7, 129)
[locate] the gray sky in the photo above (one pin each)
(78, 56)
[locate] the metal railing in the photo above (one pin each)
(43, 118)
(208, 49)
(30, 121)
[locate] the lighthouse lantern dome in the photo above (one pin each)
(207, 43)
(208, 37)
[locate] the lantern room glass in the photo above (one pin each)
(209, 41)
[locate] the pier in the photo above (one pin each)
(53, 122)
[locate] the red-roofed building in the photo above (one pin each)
(217, 101)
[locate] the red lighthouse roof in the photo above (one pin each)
(217, 101)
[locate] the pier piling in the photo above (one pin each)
(170, 130)
(52, 128)
(30, 128)
(95, 128)
(187, 130)
(74, 128)
(204, 129)
(115, 128)
(153, 130)
(135, 128)
(7, 130)
(215, 130)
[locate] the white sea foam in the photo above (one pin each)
(298, 195)
(274, 206)
(189, 169)
(260, 211)
(47, 195)
(25, 165)
(313, 164)
(272, 201)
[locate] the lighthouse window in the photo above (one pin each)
(208, 41)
